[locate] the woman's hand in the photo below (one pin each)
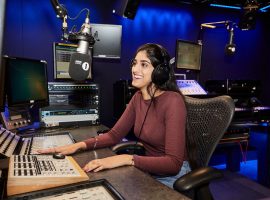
(66, 150)
(108, 163)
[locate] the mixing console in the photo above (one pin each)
(190, 87)
(11, 144)
(92, 190)
(50, 141)
(41, 165)
(35, 172)
(95, 193)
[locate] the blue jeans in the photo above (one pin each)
(169, 180)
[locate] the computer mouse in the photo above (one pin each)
(58, 156)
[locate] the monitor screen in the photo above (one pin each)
(2, 72)
(188, 55)
(62, 54)
(26, 82)
(108, 40)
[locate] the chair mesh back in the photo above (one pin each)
(207, 121)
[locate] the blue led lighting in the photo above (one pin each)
(169, 22)
(265, 124)
(263, 9)
(225, 6)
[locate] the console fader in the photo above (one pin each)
(11, 144)
(35, 172)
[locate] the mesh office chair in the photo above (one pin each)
(207, 121)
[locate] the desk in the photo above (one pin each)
(130, 182)
(232, 150)
(260, 139)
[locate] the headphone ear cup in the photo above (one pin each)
(161, 74)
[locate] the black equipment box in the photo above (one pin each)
(72, 103)
(122, 94)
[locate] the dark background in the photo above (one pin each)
(31, 28)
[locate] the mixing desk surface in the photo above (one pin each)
(256, 113)
(11, 144)
(35, 172)
(190, 87)
(92, 190)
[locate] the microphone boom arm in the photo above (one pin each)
(84, 36)
(80, 61)
(229, 25)
(214, 24)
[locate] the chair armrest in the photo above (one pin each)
(129, 147)
(196, 178)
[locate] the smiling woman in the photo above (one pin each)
(141, 72)
(162, 75)
(158, 114)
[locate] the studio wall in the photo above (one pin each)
(32, 27)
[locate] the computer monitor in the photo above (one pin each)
(107, 46)
(26, 82)
(108, 40)
(62, 53)
(2, 71)
(188, 55)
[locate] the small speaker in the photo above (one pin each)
(248, 20)
(127, 8)
(249, 15)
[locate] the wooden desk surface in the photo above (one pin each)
(130, 182)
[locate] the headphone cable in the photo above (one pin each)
(152, 99)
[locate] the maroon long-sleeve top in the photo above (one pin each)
(163, 133)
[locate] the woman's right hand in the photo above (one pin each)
(66, 150)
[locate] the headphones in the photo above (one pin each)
(161, 73)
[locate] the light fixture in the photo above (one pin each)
(225, 6)
(126, 8)
(264, 9)
(249, 15)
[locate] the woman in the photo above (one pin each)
(157, 112)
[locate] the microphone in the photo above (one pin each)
(80, 61)
(231, 47)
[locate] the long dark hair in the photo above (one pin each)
(159, 55)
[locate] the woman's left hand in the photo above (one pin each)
(108, 163)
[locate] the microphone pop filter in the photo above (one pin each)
(79, 66)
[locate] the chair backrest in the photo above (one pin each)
(207, 121)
